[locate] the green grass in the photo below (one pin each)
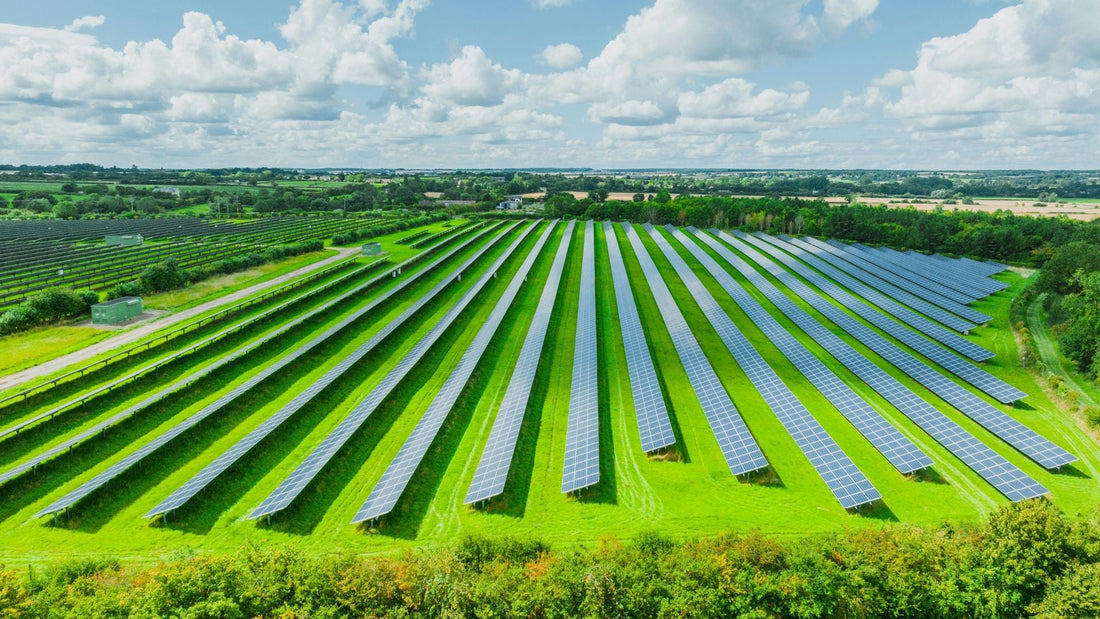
(691, 493)
(23, 350)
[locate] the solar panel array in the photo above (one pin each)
(293, 484)
(899, 450)
(496, 459)
(649, 405)
(866, 260)
(958, 278)
(847, 483)
(965, 370)
(126, 463)
(383, 498)
(739, 448)
(131, 376)
(895, 263)
(582, 434)
(865, 284)
(1027, 441)
(954, 275)
(991, 466)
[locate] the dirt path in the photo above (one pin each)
(1047, 352)
(137, 333)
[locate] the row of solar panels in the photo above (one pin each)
(743, 455)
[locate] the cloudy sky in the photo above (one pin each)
(551, 83)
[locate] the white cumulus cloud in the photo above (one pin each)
(86, 23)
(839, 14)
(561, 56)
(470, 79)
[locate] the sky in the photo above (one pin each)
(936, 84)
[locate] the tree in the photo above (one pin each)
(38, 205)
(639, 197)
(663, 196)
(1058, 274)
(1081, 339)
(598, 195)
(66, 210)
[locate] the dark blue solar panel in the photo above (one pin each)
(582, 434)
(129, 461)
(991, 466)
(965, 370)
(882, 286)
(654, 426)
(1008, 429)
(899, 450)
(383, 498)
(848, 484)
(297, 481)
(496, 459)
(739, 448)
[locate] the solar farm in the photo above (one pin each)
(565, 379)
(35, 255)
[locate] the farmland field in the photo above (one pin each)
(685, 491)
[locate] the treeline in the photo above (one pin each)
(998, 236)
(1028, 560)
(47, 306)
(1070, 285)
(167, 275)
(376, 230)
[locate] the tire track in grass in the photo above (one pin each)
(1048, 354)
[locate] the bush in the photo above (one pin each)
(1029, 558)
(49, 305)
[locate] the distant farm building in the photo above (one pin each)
(172, 191)
(513, 203)
(117, 310)
(123, 240)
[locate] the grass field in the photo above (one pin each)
(683, 493)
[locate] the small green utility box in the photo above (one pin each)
(116, 311)
(372, 249)
(123, 240)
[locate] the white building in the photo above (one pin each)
(513, 203)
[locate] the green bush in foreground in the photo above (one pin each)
(1028, 560)
(49, 305)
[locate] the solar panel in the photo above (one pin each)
(194, 376)
(926, 270)
(899, 450)
(844, 479)
(1008, 429)
(739, 448)
(294, 483)
(397, 475)
(582, 433)
(939, 307)
(496, 459)
(959, 273)
(123, 465)
(654, 426)
(965, 370)
(985, 268)
(991, 466)
(865, 257)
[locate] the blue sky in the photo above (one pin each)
(524, 83)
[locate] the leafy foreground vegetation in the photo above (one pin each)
(1028, 559)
